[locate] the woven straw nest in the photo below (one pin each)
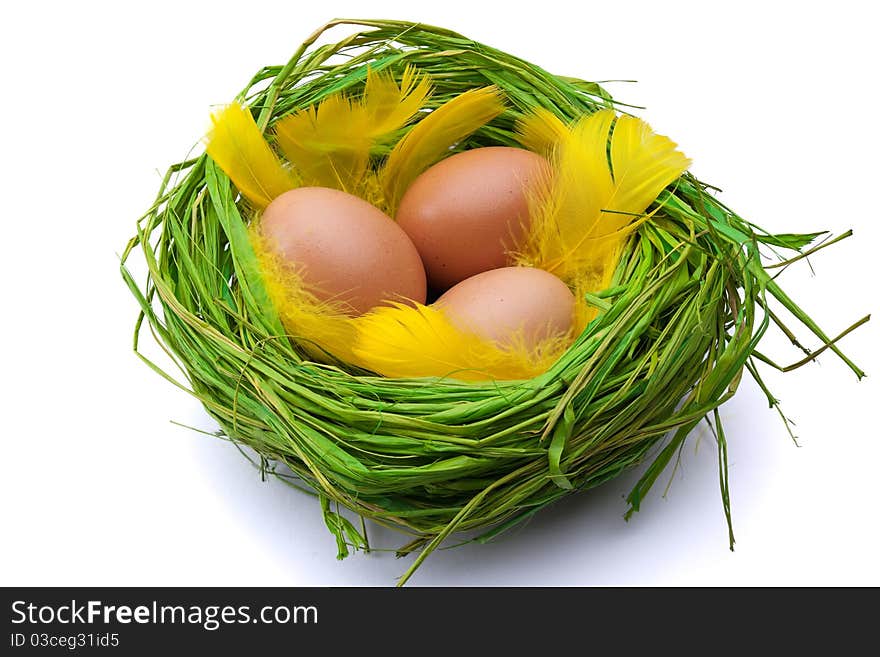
(432, 457)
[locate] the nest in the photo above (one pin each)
(432, 457)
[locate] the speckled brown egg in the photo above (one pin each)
(344, 248)
(465, 212)
(499, 303)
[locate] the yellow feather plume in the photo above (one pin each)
(541, 131)
(581, 217)
(237, 145)
(390, 106)
(643, 163)
(420, 341)
(329, 144)
(432, 137)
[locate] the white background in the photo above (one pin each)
(775, 102)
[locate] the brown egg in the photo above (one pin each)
(496, 304)
(346, 249)
(466, 211)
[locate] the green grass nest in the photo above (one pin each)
(432, 457)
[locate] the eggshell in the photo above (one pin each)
(496, 304)
(466, 211)
(346, 249)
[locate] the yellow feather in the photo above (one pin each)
(581, 218)
(432, 137)
(329, 144)
(320, 327)
(643, 163)
(238, 147)
(541, 131)
(389, 106)
(566, 212)
(420, 341)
